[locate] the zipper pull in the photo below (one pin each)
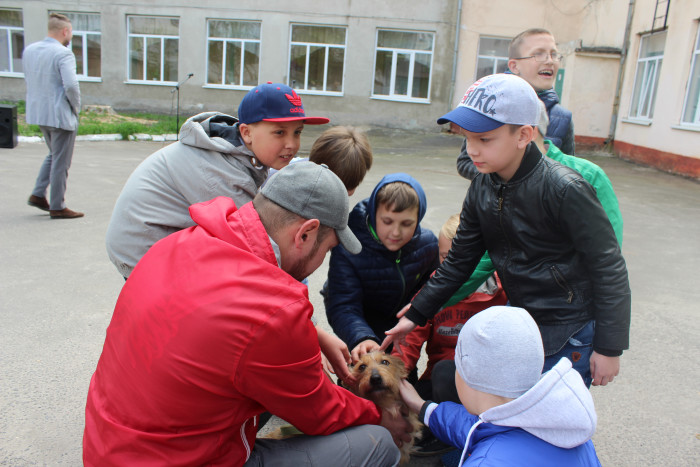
(398, 257)
(500, 198)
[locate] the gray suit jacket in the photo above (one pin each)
(53, 94)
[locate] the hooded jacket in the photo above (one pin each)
(550, 425)
(553, 247)
(210, 160)
(364, 292)
(208, 333)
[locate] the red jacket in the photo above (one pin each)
(442, 331)
(207, 333)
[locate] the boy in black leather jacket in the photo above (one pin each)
(547, 234)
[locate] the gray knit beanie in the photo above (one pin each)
(499, 351)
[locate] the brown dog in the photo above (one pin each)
(377, 377)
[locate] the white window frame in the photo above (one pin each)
(694, 121)
(84, 76)
(227, 40)
(144, 37)
(302, 88)
(496, 59)
(648, 68)
(412, 53)
(7, 30)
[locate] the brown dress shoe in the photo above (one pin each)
(38, 202)
(65, 214)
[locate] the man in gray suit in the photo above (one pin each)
(53, 103)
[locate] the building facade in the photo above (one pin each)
(659, 112)
(361, 62)
(630, 73)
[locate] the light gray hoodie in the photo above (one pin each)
(156, 198)
(558, 409)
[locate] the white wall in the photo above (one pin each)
(665, 133)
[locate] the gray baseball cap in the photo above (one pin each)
(494, 101)
(312, 191)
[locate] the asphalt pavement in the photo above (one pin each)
(58, 290)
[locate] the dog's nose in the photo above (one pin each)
(375, 379)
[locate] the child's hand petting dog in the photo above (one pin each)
(410, 396)
(363, 348)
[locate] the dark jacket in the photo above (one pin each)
(364, 292)
(553, 247)
(560, 130)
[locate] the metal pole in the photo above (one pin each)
(620, 75)
(177, 118)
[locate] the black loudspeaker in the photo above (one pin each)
(8, 126)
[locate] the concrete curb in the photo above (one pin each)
(105, 137)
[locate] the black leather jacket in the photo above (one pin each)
(553, 247)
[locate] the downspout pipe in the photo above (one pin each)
(455, 56)
(620, 74)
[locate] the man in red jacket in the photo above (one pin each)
(214, 328)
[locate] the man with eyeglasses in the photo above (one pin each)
(533, 56)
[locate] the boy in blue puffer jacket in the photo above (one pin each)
(512, 415)
(364, 292)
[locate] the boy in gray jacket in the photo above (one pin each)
(217, 155)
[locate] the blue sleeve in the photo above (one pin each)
(451, 423)
(343, 297)
(568, 145)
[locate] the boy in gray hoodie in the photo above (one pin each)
(217, 155)
(511, 413)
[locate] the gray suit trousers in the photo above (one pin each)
(54, 170)
(361, 446)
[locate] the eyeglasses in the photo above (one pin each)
(543, 56)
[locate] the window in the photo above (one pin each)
(492, 57)
(646, 79)
(402, 65)
(317, 58)
(691, 107)
(11, 41)
(233, 53)
(153, 44)
(86, 44)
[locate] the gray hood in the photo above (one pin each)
(196, 132)
(558, 409)
(209, 160)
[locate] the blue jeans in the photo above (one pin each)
(578, 349)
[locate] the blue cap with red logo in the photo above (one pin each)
(274, 102)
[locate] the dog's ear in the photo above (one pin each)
(399, 363)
